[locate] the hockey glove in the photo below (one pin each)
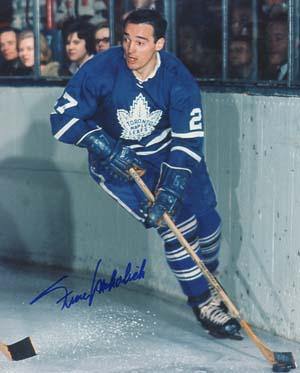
(115, 158)
(169, 195)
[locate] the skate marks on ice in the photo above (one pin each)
(125, 331)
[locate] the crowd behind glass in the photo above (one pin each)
(72, 31)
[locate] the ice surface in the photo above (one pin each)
(124, 330)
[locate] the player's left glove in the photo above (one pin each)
(169, 196)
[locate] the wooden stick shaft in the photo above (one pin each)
(268, 354)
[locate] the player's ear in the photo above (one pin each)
(160, 43)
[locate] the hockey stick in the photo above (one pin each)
(281, 361)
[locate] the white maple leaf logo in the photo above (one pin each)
(138, 122)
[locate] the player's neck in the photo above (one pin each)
(148, 71)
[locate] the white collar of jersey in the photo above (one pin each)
(89, 57)
(151, 75)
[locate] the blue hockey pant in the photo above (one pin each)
(198, 221)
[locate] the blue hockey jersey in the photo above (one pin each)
(160, 117)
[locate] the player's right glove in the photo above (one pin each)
(113, 157)
(169, 194)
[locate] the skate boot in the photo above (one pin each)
(214, 318)
(214, 294)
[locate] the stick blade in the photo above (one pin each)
(22, 349)
(286, 359)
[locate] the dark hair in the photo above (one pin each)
(101, 26)
(85, 31)
(150, 17)
(9, 29)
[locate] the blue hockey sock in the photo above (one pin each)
(186, 271)
(209, 232)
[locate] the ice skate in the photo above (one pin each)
(214, 317)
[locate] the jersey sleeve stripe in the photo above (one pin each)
(156, 140)
(154, 151)
(177, 168)
(79, 141)
(187, 151)
(134, 146)
(159, 138)
(65, 128)
(189, 135)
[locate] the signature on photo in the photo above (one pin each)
(98, 285)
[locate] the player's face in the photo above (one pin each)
(76, 49)
(140, 48)
(26, 51)
(8, 45)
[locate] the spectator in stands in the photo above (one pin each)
(93, 11)
(241, 19)
(26, 54)
(190, 49)
(212, 56)
(273, 8)
(276, 65)
(26, 51)
(79, 43)
(102, 41)
(198, 54)
(11, 64)
(240, 58)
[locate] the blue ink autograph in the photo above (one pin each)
(98, 285)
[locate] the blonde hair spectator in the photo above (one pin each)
(26, 53)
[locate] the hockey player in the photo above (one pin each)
(138, 106)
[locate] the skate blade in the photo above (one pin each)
(236, 336)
